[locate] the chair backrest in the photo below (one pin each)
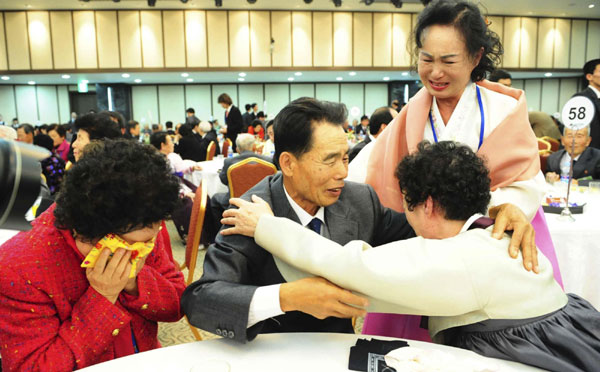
(242, 176)
(543, 144)
(544, 154)
(226, 145)
(195, 230)
(210, 151)
(554, 144)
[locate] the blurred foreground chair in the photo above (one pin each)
(242, 176)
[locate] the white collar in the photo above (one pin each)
(595, 90)
(371, 137)
(303, 215)
(470, 221)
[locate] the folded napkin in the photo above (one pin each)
(413, 359)
(114, 242)
(368, 355)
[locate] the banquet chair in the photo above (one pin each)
(244, 175)
(544, 154)
(210, 151)
(543, 144)
(226, 145)
(193, 240)
(554, 144)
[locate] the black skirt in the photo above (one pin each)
(563, 341)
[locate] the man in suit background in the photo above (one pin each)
(190, 117)
(241, 292)
(586, 159)
(233, 118)
(591, 71)
(379, 120)
(247, 117)
(363, 127)
(245, 143)
(209, 135)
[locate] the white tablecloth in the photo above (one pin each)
(7, 234)
(273, 352)
(210, 175)
(577, 247)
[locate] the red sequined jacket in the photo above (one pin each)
(51, 319)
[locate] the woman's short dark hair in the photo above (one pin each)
(98, 126)
(294, 124)
(44, 140)
(27, 128)
(158, 138)
(60, 130)
(116, 117)
(131, 124)
(467, 19)
(256, 123)
(116, 187)
(452, 174)
(186, 130)
(224, 98)
(269, 123)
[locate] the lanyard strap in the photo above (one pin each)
(481, 129)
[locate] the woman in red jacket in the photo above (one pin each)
(58, 316)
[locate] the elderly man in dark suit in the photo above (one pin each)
(379, 120)
(241, 292)
(591, 71)
(586, 159)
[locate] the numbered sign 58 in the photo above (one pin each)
(578, 112)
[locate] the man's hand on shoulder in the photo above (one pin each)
(510, 217)
(321, 299)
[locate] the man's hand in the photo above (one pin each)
(510, 217)
(552, 177)
(321, 299)
(110, 277)
(245, 218)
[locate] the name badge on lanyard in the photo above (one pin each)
(482, 127)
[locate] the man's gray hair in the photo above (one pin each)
(205, 126)
(244, 142)
(589, 130)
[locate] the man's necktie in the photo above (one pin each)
(315, 225)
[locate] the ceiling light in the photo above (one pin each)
(5, 78)
(242, 74)
(591, 6)
(31, 82)
(138, 80)
(66, 76)
(397, 3)
(28, 5)
(218, 3)
(85, 81)
(185, 74)
(352, 73)
(189, 80)
(386, 78)
(125, 75)
(548, 74)
(298, 73)
(405, 73)
(339, 78)
(290, 79)
(151, 2)
(241, 79)
(337, 3)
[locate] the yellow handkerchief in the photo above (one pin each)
(114, 242)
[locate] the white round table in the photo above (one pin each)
(273, 352)
(577, 246)
(210, 175)
(7, 234)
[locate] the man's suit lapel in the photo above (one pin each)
(279, 202)
(341, 229)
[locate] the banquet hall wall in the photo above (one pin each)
(148, 40)
(152, 103)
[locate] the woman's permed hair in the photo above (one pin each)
(452, 174)
(467, 19)
(116, 187)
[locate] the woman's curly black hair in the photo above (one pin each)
(467, 19)
(116, 187)
(452, 174)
